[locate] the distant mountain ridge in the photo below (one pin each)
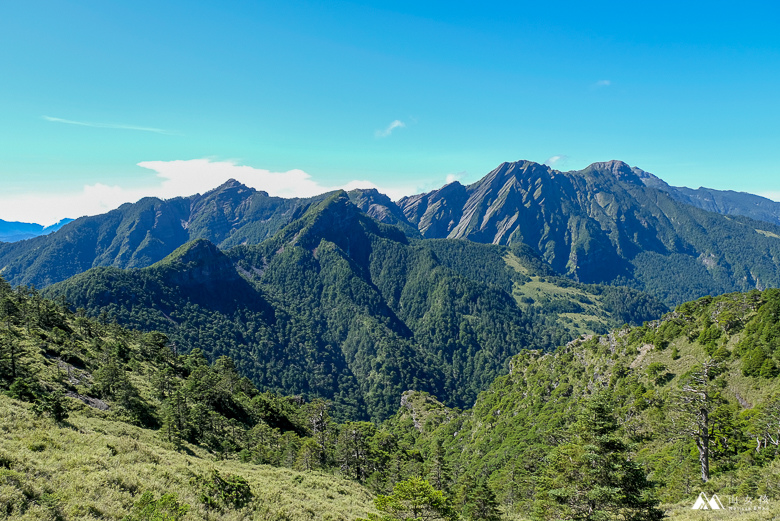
(608, 223)
(136, 235)
(605, 224)
(19, 231)
(726, 202)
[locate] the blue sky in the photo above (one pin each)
(103, 102)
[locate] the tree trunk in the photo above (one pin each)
(703, 444)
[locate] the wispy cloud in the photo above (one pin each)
(389, 130)
(451, 178)
(104, 125)
(602, 83)
(172, 179)
(551, 161)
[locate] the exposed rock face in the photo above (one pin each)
(607, 222)
(380, 207)
(436, 213)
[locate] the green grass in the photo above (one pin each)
(768, 234)
(92, 468)
(544, 293)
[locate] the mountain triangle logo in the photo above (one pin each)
(702, 503)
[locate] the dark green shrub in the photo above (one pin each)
(229, 490)
(53, 405)
(166, 508)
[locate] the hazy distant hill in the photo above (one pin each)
(17, 231)
(727, 202)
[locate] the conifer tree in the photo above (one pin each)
(9, 348)
(308, 455)
(478, 501)
(439, 473)
(413, 499)
(593, 477)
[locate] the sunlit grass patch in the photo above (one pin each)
(93, 468)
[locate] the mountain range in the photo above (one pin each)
(605, 224)
(170, 331)
(340, 306)
(354, 298)
(726, 202)
(608, 223)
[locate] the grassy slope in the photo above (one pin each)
(90, 467)
(581, 309)
(97, 463)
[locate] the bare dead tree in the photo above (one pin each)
(691, 410)
(767, 425)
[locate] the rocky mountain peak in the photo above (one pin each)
(618, 169)
(234, 186)
(650, 180)
(517, 169)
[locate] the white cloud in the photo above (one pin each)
(174, 178)
(551, 161)
(48, 208)
(201, 175)
(389, 130)
(451, 178)
(775, 196)
(602, 83)
(104, 125)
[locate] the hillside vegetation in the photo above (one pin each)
(101, 421)
(341, 307)
(90, 467)
(716, 355)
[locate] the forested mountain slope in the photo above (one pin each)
(603, 224)
(339, 306)
(140, 234)
(95, 409)
(696, 394)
